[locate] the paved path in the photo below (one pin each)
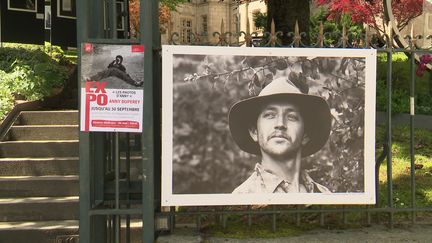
(375, 234)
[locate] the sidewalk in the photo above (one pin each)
(374, 234)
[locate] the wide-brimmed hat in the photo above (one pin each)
(314, 110)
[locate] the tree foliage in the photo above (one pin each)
(371, 12)
(259, 19)
(207, 160)
(165, 8)
(333, 29)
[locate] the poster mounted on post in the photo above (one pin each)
(112, 88)
(245, 126)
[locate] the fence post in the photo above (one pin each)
(149, 29)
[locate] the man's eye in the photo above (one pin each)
(292, 117)
(269, 115)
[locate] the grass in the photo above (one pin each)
(401, 168)
(237, 225)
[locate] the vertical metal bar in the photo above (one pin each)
(150, 26)
(128, 179)
(97, 188)
(113, 229)
(117, 185)
(273, 220)
(368, 216)
(297, 217)
(110, 237)
(96, 24)
(321, 217)
(84, 138)
(113, 18)
(249, 216)
(344, 215)
(198, 222)
(412, 155)
(389, 132)
(172, 218)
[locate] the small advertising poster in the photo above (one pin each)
(261, 126)
(112, 88)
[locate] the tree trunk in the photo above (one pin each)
(285, 13)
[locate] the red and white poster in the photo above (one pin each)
(112, 88)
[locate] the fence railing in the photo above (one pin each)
(413, 46)
(111, 166)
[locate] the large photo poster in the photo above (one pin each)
(244, 126)
(112, 88)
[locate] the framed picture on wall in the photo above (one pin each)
(22, 5)
(47, 17)
(66, 9)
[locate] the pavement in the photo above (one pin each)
(373, 234)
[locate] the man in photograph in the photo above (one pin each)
(281, 125)
(118, 70)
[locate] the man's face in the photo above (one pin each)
(280, 129)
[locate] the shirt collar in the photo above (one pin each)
(272, 181)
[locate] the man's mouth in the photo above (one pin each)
(279, 135)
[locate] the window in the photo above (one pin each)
(22, 5)
(66, 9)
(186, 30)
(235, 18)
(120, 17)
(204, 23)
(429, 21)
(67, 5)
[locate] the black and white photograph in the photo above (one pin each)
(66, 9)
(245, 126)
(118, 65)
(22, 5)
(47, 17)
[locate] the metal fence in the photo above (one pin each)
(119, 173)
(386, 45)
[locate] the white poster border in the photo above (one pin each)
(170, 199)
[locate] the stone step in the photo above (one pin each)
(31, 149)
(39, 166)
(39, 209)
(67, 117)
(39, 186)
(43, 132)
(39, 231)
(59, 231)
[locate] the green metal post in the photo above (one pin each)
(84, 145)
(96, 28)
(389, 139)
(113, 19)
(149, 29)
(412, 155)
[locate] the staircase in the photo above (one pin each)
(39, 178)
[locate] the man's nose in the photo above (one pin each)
(280, 123)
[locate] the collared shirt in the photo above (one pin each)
(264, 181)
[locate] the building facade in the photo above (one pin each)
(199, 19)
